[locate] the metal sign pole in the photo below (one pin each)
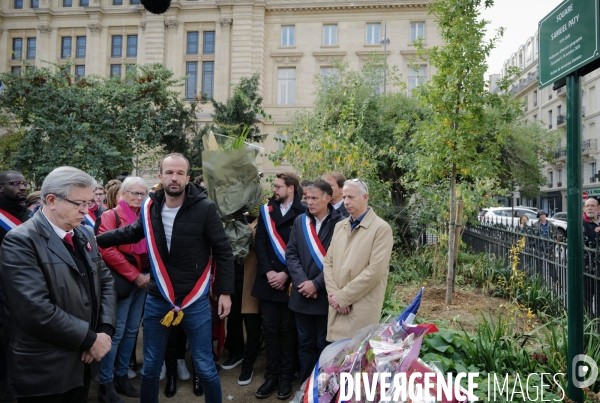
(575, 238)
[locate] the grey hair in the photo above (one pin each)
(61, 181)
(360, 185)
(133, 180)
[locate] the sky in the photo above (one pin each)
(520, 19)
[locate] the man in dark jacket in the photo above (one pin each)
(181, 227)
(59, 297)
(337, 180)
(272, 283)
(306, 249)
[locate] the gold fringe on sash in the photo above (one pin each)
(178, 318)
(168, 319)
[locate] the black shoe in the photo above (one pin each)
(267, 388)
(108, 394)
(245, 377)
(285, 390)
(198, 389)
(123, 386)
(232, 362)
(171, 386)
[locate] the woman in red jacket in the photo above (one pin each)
(131, 269)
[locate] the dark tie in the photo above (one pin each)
(69, 239)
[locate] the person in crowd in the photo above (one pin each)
(357, 265)
(113, 193)
(58, 295)
(591, 223)
(545, 228)
(272, 284)
(182, 228)
(303, 185)
(591, 227)
(306, 250)
(131, 262)
(96, 209)
(99, 195)
(337, 180)
(523, 222)
(33, 200)
(199, 181)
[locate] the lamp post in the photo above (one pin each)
(384, 42)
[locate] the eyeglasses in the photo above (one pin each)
(277, 187)
(79, 205)
(364, 185)
(16, 184)
(137, 194)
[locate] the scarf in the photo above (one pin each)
(139, 248)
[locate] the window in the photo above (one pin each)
(416, 78)
(329, 75)
(115, 70)
(520, 59)
(330, 35)
(35, 3)
(116, 46)
(80, 47)
(30, 48)
(18, 3)
(208, 44)
(559, 176)
(535, 118)
(191, 78)
(132, 41)
(17, 49)
(559, 110)
(373, 34)
(594, 172)
(550, 119)
(79, 72)
(526, 101)
(192, 43)
(417, 30)
(288, 35)
(84, 3)
(65, 47)
(16, 70)
(67, 3)
(535, 94)
(134, 2)
(208, 79)
(550, 179)
(286, 86)
(130, 69)
(529, 51)
(117, 2)
(30, 68)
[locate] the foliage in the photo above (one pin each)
(97, 124)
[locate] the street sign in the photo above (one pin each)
(584, 195)
(568, 39)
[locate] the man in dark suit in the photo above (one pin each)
(59, 297)
(272, 284)
(337, 180)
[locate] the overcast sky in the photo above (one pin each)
(520, 19)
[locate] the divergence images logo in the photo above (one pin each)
(581, 371)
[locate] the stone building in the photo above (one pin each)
(216, 42)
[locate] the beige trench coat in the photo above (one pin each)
(356, 270)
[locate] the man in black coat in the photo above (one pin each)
(272, 284)
(185, 228)
(304, 255)
(336, 180)
(58, 295)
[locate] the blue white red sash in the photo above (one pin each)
(90, 220)
(278, 244)
(315, 246)
(311, 393)
(8, 221)
(162, 276)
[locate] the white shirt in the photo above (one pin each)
(319, 223)
(338, 205)
(168, 217)
(59, 231)
(285, 209)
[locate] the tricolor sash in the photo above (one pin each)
(162, 276)
(8, 221)
(315, 246)
(311, 393)
(90, 220)
(278, 244)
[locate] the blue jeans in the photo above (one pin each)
(129, 314)
(197, 323)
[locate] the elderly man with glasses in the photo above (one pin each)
(58, 295)
(356, 266)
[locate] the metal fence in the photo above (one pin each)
(544, 256)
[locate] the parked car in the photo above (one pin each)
(535, 209)
(560, 220)
(506, 215)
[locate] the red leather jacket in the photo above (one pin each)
(113, 256)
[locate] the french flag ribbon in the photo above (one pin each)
(311, 393)
(278, 244)
(162, 276)
(90, 220)
(315, 246)
(8, 221)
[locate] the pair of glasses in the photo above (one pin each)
(16, 184)
(137, 194)
(364, 185)
(277, 187)
(84, 205)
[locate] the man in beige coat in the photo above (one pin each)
(356, 266)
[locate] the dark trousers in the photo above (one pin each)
(312, 339)
(279, 329)
(235, 332)
(175, 349)
(75, 395)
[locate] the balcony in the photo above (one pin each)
(561, 152)
(589, 145)
(560, 120)
(550, 184)
(562, 91)
(593, 179)
(558, 184)
(524, 83)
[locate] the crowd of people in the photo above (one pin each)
(82, 265)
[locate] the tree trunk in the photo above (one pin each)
(457, 232)
(451, 238)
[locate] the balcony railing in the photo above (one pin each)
(560, 120)
(588, 145)
(593, 179)
(561, 91)
(549, 184)
(524, 83)
(558, 184)
(561, 152)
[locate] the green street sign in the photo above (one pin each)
(569, 39)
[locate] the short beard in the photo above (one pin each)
(173, 194)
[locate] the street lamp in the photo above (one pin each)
(384, 41)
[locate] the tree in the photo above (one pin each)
(97, 124)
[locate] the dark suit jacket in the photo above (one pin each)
(343, 211)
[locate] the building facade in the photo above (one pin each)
(216, 42)
(549, 107)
